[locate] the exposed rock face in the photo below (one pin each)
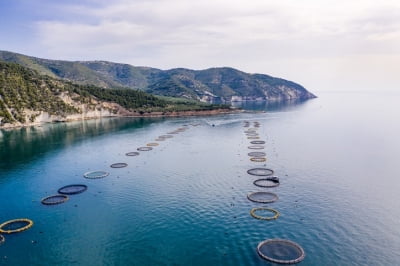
(84, 111)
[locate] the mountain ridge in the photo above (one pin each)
(217, 84)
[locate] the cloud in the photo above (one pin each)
(252, 35)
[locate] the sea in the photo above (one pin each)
(185, 202)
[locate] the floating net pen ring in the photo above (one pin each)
(72, 189)
(260, 171)
(95, 174)
(132, 153)
(257, 142)
(257, 154)
(253, 137)
(55, 199)
(253, 212)
(262, 197)
(272, 181)
(2, 239)
(258, 159)
(152, 144)
(28, 224)
(166, 136)
(281, 251)
(256, 147)
(119, 165)
(144, 148)
(252, 134)
(159, 139)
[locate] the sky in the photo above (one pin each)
(325, 45)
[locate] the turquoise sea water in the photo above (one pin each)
(184, 202)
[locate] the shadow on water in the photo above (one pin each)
(269, 106)
(22, 145)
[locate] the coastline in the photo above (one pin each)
(130, 114)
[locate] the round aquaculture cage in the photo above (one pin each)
(272, 181)
(281, 251)
(72, 189)
(15, 226)
(119, 165)
(132, 153)
(159, 139)
(144, 148)
(152, 144)
(260, 213)
(2, 239)
(260, 171)
(253, 137)
(166, 136)
(262, 197)
(55, 199)
(95, 174)
(173, 132)
(257, 154)
(256, 147)
(250, 131)
(258, 159)
(257, 142)
(252, 134)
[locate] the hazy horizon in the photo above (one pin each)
(335, 45)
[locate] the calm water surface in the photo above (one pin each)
(184, 203)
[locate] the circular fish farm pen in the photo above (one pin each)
(132, 153)
(144, 148)
(55, 199)
(72, 189)
(119, 165)
(252, 134)
(253, 137)
(152, 144)
(260, 171)
(166, 136)
(281, 251)
(258, 159)
(257, 154)
(272, 181)
(262, 197)
(258, 213)
(256, 147)
(159, 139)
(96, 174)
(2, 239)
(257, 142)
(15, 226)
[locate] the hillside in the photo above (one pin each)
(210, 85)
(27, 97)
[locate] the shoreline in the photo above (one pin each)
(144, 115)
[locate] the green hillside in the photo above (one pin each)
(205, 85)
(24, 94)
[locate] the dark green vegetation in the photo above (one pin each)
(24, 94)
(207, 85)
